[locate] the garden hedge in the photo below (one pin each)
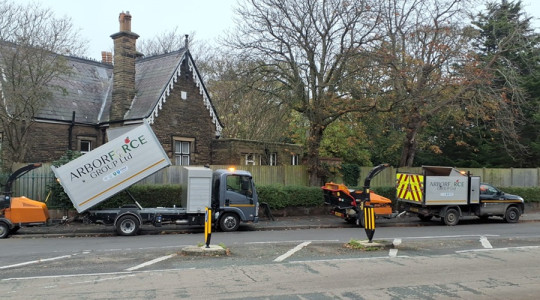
(277, 196)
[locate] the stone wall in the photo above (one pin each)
(187, 118)
(48, 142)
(233, 152)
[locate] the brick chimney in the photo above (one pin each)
(124, 69)
(106, 57)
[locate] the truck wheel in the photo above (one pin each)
(4, 230)
(451, 217)
(512, 215)
(229, 222)
(127, 225)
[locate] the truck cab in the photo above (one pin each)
(234, 197)
(489, 192)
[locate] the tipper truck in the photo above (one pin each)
(136, 154)
(448, 193)
(130, 157)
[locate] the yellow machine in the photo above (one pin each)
(20, 211)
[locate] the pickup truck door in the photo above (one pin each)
(490, 197)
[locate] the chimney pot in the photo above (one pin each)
(125, 21)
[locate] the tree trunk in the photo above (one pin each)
(410, 144)
(313, 144)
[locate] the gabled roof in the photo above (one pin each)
(88, 90)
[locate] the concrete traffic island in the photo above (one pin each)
(212, 250)
(367, 243)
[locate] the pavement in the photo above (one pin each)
(78, 229)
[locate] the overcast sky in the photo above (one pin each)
(208, 19)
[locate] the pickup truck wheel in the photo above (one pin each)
(127, 226)
(512, 215)
(451, 217)
(229, 222)
(4, 230)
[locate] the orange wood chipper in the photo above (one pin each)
(347, 203)
(20, 211)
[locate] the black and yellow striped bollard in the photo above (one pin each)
(369, 221)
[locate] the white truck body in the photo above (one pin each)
(112, 167)
(197, 191)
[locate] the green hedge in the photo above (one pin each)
(280, 196)
(148, 196)
(277, 196)
(530, 194)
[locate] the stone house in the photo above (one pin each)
(127, 88)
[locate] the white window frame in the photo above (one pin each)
(85, 142)
(252, 159)
(183, 157)
(272, 159)
(294, 160)
(91, 141)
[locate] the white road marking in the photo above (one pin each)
(151, 262)
(485, 243)
(344, 259)
(292, 251)
(393, 252)
(101, 279)
(446, 236)
(276, 242)
(89, 274)
(34, 262)
(499, 249)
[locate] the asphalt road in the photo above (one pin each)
(475, 261)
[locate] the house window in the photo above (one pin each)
(294, 159)
(85, 144)
(252, 159)
(182, 151)
(273, 159)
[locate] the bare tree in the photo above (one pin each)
(165, 42)
(433, 71)
(423, 41)
(306, 53)
(32, 42)
(246, 112)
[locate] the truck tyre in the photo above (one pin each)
(511, 215)
(451, 217)
(229, 222)
(127, 225)
(4, 230)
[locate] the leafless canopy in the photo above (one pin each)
(31, 39)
